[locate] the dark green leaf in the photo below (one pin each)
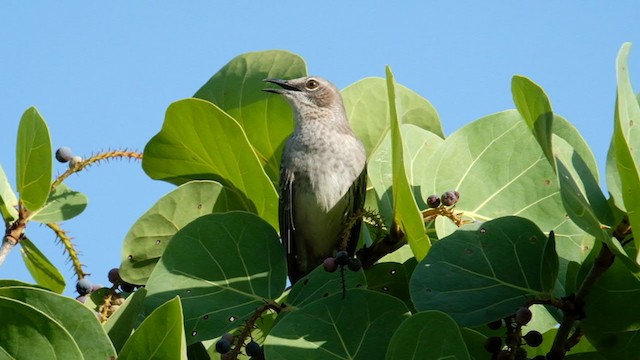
(389, 278)
(428, 335)
(120, 324)
(477, 276)
(198, 141)
(265, 118)
(357, 327)
(28, 333)
(223, 266)
(148, 237)
(62, 204)
(160, 336)
(321, 284)
(80, 322)
(42, 270)
(34, 160)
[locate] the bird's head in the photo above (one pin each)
(308, 91)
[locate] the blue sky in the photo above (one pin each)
(103, 74)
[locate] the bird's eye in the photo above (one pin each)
(312, 84)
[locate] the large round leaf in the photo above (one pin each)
(320, 284)
(80, 322)
(62, 204)
(198, 141)
(148, 237)
(266, 118)
(356, 327)
(41, 269)
(428, 335)
(479, 275)
(28, 333)
(496, 165)
(223, 266)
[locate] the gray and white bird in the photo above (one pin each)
(322, 176)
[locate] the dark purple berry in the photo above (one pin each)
(354, 264)
(450, 198)
(83, 286)
(228, 337)
(114, 276)
(523, 316)
(533, 338)
(223, 346)
(64, 154)
(342, 258)
(495, 325)
(493, 344)
(330, 264)
(253, 348)
(433, 201)
(126, 287)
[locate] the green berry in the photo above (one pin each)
(533, 338)
(330, 264)
(223, 346)
(433, 201)
(342, 258)
(253, 348)
(83, 286)
(64, 154)
(354, 264)
(523, 316)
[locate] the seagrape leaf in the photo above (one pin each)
(62, 204)
(8, 199)
(120, 324)
(148, 237)
(389, 278)
(43, 271)
(419, 144)
(223, 266)
(367, 104)
(160, 336)
(34, 160)
(320, 284)
(612, 325)
(80, 322)
(498, 168)
(406, 214)
(28, 333)
(356, 327)
(428, 335)
(479, 275)
(198, 141)
(266, 119)
(626, 141)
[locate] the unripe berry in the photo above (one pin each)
(342, 258)
(64, 154)
(433, 201)
(253, 348)
(354, 264)
(223, 346)
(83, 286)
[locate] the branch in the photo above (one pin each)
(69, 249)
(94, 159)
(394, 240)
(13, 234)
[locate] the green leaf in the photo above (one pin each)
(474, 341)
(34, 160)
(479, 275)
(232, 260)
(626, 140)
(62, 204)
(266, 119)
(367, 105)
(489, 162)
(419, 144)
(428, 335)
(389, 278)
(42, 270)
(356, 327)
(611, 324)
(406, 213)
(198, 141)
(150, 234)
(8, 200)
(320, 284)
(28, 333)
(160, 336)
(120, 324)
(80, 322)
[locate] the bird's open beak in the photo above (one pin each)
(284, 84)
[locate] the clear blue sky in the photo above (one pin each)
(103, 75)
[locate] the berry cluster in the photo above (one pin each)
(64, 154)
(341, 259)
(512, 349)
(449, 198)
(252, 348)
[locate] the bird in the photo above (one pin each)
(323, 176)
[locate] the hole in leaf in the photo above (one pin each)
(630, 123)
(157, 242)
(393, 271)
(358, 285)
(305, 282)
(385, 288)
(468, 251)
(547, 182)
(533, 239)
(130, 257)
(427, 290)
(483, 230)
(232, 318)
(199, 206)
(206, 317)
(194, 333)
(325, 294)
(188, 291)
